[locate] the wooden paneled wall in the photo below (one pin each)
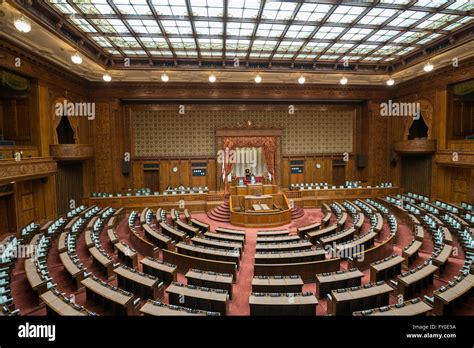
(69, 185)
(416, 174)
(313, 174)
(167, 177)
(32, 201)
(7, 212)
(15, 120)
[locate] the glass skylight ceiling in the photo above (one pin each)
(264, 30)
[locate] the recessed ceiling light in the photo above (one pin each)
(428, 67)
(22, 24)
(258, 79)
(390, 82)
(301, 80)
(165, 78)
(107, 77)
(212, 78)
(76, 58)
(343, 80)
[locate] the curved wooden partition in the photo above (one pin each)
(306, 270)
(143, 246)
(364, 259)
(185, 262)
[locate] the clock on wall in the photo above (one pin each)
(175, 169)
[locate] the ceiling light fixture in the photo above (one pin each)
(107, 77)
(212, 78)
(76, 58)
(390, 82)
(428, 67)
(22, 24)
(165, 77)
(343, 80)
(301, 80)
(258, 79)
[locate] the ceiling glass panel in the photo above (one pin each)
(369, 31)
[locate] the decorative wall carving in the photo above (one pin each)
(103, 134)
(69, 152)
(416, 146)
(28, 168)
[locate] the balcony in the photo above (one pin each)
(416, 147)
(72, 152)
(26, 169)
(453, 158)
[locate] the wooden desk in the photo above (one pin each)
(230, 238)
(278, 284)
(281, 247)
(326, 219)
(112, 300)
(360, 222)
(379, 225)
(290, 257)
(290, 304)
(197, 298)
(62, 247)
(410, 253)
(278, 239)
(447, 236)
(55, 305)
(202, 226)
(345, 303)
(339, 237)
(386, 269)
(151, 308)
(408, 308)
(157, 238)
(302, 231)
(315, 236)
(141, 284)
(166, 272)
(364, 242)
(274, 233)
(75, 273)
(187, 216)
(185, 262)
(341, 221)
(325, 282)
(176, 235)
(238, 233)
(306, 270)
(206, 253)
(218, 244)
(126, 254)
(88, 238)
(112, 236)
(419, 233)
(189, 230)
(442, 258)
(446, 301)
(103, 262)
(415, 282)
(211, 280)
(37, 283)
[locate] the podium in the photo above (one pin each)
(253, 190)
